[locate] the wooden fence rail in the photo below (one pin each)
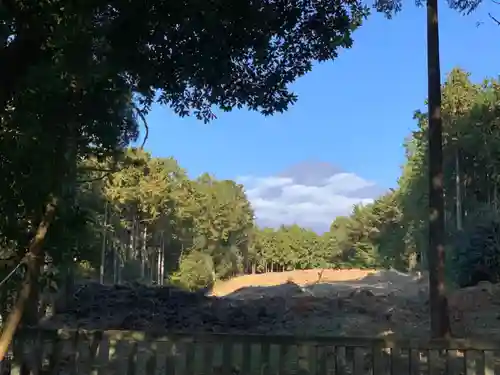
(138, 353)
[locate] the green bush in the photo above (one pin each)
(476, 255)
(196, 271)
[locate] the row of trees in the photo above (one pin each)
(137, 217)
(395, 227)
(205, 228)
(150, 222)
(77, 77)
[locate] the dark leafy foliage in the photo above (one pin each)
(197, 54)
(476, 256)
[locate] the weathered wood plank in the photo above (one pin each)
(414, 365)
(208, 358)
(161, 358)
(359, 361)
(227, 357)
(83, 355)
(120, 362)
(190, 357)
(103, 356)
(144, 355)
(282, 359)
(340, 360)
(312, 362)
(66, 357)
(489, 362)
(322, 360)
(378, 360)
(436, 363)
(265, 358)
(455, 362)
(471, 363)
(246, 360)
(172, 356)
(31, 357)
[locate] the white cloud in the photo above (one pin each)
(278, 200)
(345, 182)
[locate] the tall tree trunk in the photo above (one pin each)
(161, 260)
(458, 191)
(495, 192)
(143, 252)
(130, 253)
(116, 264)
(103, 247)
(440, 326)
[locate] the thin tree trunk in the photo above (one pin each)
(29, 287)
(143, 252)
(161, 260)
(495, 192)
(130, 254)
(158, 260)
(103, 247)
(121, 262)
(137, 249)
(440, 326)
(458, 193)
(116, 268)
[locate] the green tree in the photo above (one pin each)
(80, 54)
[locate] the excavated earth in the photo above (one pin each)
(374, 306)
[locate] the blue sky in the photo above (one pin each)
(353, 113)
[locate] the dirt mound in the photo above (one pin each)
(333, 283)
(299, 277)
(162, 309)
(387, 276)
(287, 290)
(358, 311)
(476, 310)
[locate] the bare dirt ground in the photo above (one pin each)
(299, 277)
(358, 303)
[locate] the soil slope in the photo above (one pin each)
(383, 303)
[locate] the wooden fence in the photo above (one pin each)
(139, 353)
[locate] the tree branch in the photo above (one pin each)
(109, 173)
(140, 113)
(494, 19)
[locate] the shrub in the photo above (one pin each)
(476, 256)
(196, 271)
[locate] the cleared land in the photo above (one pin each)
(347, 302)
(301, 277)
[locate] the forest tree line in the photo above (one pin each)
(149, 221)
(78, 79)
(142, 218)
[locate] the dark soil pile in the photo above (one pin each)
(163, 309)
(474, 311)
